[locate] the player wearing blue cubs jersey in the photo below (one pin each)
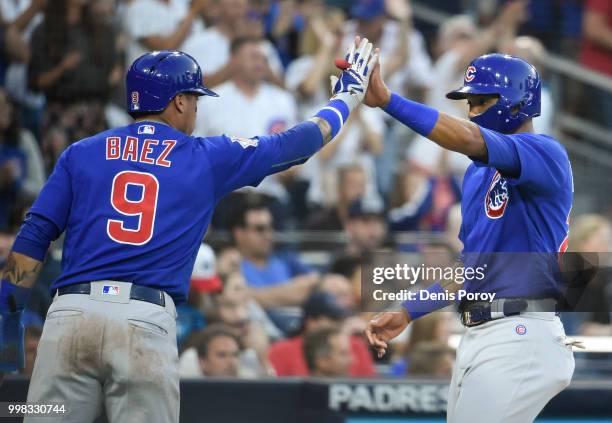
(517, 196)
(134, 204)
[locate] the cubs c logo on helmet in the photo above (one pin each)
(470, 74)
(497, 197)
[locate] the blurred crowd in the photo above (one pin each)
(262, 304)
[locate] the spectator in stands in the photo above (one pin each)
(321, 311)
(160, 24)
(13, 159)
(459, 41)
(592, 233)
(405, 60)
(432, 329)
(229, 307)
(235, 286)
(308, 75)
(218, 352)
(597, 54)
(204, 281)
(431, 359)
(233, 307)
(421, 201)
(32, 337)
(349, 266)
(263, 108)
(22, 17)
(339, 286)
(73, 53)
(352, 183)
(327, 352)
(277, 280)
(212, 47)
(26, 143)
(365, 227)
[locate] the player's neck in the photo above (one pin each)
(525, 127)
(154, 118)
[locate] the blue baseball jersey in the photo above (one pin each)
(135, 202)
(517, 202)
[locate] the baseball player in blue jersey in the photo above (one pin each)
(517, 195)
(134, 204)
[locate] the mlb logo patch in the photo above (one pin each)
(146, 129)
(110, 290)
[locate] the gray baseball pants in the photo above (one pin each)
(97, 350)
(507, 370)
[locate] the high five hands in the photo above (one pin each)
(359, 73)
(357, 66)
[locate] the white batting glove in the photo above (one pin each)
(357, 67)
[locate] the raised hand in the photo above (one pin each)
(377, 95)
(357, 67)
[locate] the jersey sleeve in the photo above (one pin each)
(47, 218)
(238, 162)
(534, 161)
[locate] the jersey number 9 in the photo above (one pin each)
(144, 208)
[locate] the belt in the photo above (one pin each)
(477, 313)
(137, 292)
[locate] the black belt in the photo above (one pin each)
(138, 292)
(475, 314)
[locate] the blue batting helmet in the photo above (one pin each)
(515, 81)
(155, 78)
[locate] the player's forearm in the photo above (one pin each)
(21, 270)
(49, 78)
(449, 132)
(458, 135)
(280, 296)
(324, 127)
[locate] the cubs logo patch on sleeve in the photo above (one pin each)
(497, 197)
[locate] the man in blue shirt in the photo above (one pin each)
(517, 196)
(279, 282)
(134, 203)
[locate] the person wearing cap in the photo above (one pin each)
(365, 227)
(320, 311)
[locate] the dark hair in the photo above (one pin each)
(237, 43)
(204, 338)
(347, 265)
(11, 135)
(249, 202)
(317, 344)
